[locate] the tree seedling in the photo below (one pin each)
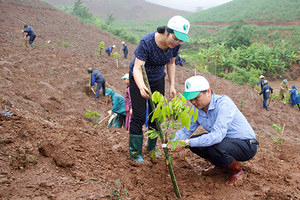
(117, 57)
(279, 130)
(94, 115)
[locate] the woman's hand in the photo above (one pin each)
(172, 92)
(145, 92)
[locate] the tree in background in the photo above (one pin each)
(110, 19)
(80, 10)
(239, 35)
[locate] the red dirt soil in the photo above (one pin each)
(50, 150)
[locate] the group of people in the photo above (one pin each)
(267, 90)
(124, 48)
(229, 138)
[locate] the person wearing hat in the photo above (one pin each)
(125, 49)
(295, 97)
(30, 32)
(118, 104)
(97, 77)
(266, 91)
(284, 87)
(155, 51)
(109, 49)
(229, 138)
(128, 107)
(261, 82)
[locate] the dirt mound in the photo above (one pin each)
(50, 150)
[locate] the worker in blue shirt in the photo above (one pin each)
(109, 49)
(229, 137)
(261, 82)
(125, 49)
(97, 77)
(30, 32)
(266, 91)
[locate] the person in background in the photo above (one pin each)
(284, 87)
(118, 104)
(125, 49)
(266, 91)
(97, 77)
(229, 137)
(128, 107)
(179, 60)
(261, 82)
(109, 49)
(155, 51)
(30, 32)
(295, 97)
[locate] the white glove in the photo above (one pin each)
(109, 112)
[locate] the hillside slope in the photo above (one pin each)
(131, 10)
(50, 150)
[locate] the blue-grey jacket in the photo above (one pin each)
(29, 31)
(96, 77)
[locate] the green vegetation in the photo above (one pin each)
(101, 46)
(279, 130)
(238, 51)
(117, 191)
(94, 115)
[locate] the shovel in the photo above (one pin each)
(93, 90)
(24, 38)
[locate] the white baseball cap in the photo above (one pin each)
(180, 26)
(126, 76)
(193, 86)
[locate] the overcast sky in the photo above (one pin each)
(189, 5)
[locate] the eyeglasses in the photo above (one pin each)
(176, 41)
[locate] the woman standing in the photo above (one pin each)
(155, 51)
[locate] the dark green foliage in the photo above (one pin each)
(80, 10)
(239, 36)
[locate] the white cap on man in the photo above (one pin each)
(193, 86)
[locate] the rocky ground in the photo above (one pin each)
(50, 150)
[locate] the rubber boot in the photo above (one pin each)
(213, 170)
(135, 147)
(236, 172)
(151, 145)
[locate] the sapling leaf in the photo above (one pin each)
(173, 146)
(173, 136)
(195, 115)
(166, 124)
(158, 151)
(153, 135)
(182, 98)
(182, 143)
(150, 132)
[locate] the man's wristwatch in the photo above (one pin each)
(187, 146)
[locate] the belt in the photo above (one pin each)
(253, 141)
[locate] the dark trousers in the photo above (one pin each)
(265, 104)
(225, 152)
(108, 52)
(121, 120)
(31, 38)
(99, 86)
(138, 103)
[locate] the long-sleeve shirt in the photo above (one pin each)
(29, 31)
(267, 89)
(96, 77)
(223, 119)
